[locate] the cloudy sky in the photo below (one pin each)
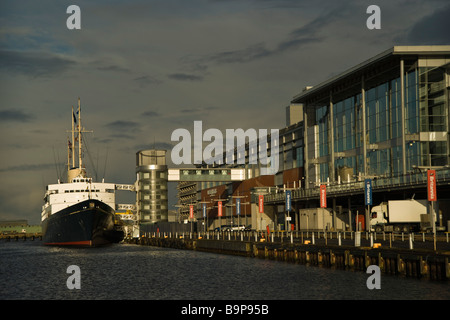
(145, 68)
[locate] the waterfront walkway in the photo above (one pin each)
(16, 236)
(396, 254)
(345, 238)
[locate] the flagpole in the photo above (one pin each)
(73, 140)
(69, 146)
(79, 136)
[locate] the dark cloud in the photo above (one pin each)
(150, 114)
(34, 64)
(316, 25)
(307, 34)
(31, 167)
(123, 126)
(146, 81)
(432, 30)
(113, 68)
(253, 52)
(190, 110)
(15, 116)
(184, 77)
(293, 44)
(201, 110)
(121, 135)
(154, 145)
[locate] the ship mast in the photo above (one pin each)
(73, 140)
(79, 136)
(70, 149)
(76, 171)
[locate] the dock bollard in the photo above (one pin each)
(410, 241)
(357, 239)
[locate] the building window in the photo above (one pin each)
(411, 103)
(322, 118)
(396, 110)
(377, 113)
(432, 94)
(344, 125)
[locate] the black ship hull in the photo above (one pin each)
(88, 223)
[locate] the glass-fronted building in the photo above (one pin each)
(384, 118)
(151, 186)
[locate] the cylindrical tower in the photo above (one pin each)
(151, 193)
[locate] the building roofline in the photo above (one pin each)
(396, 50)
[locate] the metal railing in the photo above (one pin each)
(380, 183)
(387, 239)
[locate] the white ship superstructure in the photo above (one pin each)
(63, 195)
(80, 211)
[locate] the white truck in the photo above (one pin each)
(398, 215)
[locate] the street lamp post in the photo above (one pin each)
(230, 205)
(219, 210)
(432, 191)
(238, 206)
(205, 221)
(287, 206)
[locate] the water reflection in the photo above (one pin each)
(29, 270)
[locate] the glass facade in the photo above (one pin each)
(433, 106)
(411, 103)
(151, 196)
(426, 111)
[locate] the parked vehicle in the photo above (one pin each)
(229, 227)
(398, 215)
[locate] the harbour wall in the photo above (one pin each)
(393, 261)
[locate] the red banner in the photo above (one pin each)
(431, 177)
(261, 204)
(219, 204)
(323, 196)
(191, 212)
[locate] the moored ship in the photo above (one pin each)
(79, 212)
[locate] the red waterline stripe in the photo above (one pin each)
(72, 243)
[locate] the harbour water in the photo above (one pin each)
(32, 271)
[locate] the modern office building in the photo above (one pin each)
(151, 186)
(187, 195)
(386, 119)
